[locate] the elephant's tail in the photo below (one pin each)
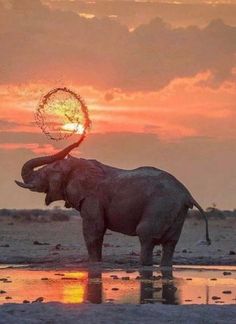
(205, 218)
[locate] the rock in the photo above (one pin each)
(38, 300)
(125, 278)
(8, 297)
(44, 278)
(58, 247)
(232, 252)
(114, 288)
(227, 292)
(184, 251)
(188, 300)
(189, 279)
(3, 292)
(227, 273)
(114, 276)
(26, 301)
(5, 245)
(39, 243)
(215, 297)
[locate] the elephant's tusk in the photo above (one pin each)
(24, 185)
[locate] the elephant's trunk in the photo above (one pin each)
(27, 171)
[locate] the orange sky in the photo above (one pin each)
(167, 85)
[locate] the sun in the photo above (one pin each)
(73, 127)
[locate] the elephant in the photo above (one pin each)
(146, 202)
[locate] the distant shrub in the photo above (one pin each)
(39, 215)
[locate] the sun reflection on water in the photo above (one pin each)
(191, 286)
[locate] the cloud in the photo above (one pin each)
(134, 13)
(7, 125)
(38, 43)
(34, 147)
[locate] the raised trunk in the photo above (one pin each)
(27, 171)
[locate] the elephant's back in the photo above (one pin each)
(149, 178)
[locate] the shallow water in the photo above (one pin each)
(191, 285)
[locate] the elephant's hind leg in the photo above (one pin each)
(158, 217)
(168, 249)
(147, 246)
(171, 239)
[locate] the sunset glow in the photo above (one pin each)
(73, 127)
(160, 84)
(77, 287)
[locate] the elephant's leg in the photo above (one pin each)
(168, 249)
(94, 246)
(93, 229)
(172, 237)
(146, 255)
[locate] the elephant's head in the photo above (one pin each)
(48, 178)
(55, 176)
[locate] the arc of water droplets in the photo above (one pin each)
(72, 116)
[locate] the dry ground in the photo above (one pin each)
(63, 243)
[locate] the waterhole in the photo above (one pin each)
(190, 285)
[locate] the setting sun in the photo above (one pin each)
(73, 127)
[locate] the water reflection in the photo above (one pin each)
(188, 286)
(152, 290)
(94, 287)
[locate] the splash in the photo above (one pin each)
(62, 113)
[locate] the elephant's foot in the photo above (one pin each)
(95, 258)
(94, 250)
(146, 262)
(167, 258)
(167, 272)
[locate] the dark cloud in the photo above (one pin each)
(7, 125)
(38, 43)
(134, 13)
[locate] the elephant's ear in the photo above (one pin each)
(84, 179)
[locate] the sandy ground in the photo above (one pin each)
(61, 243)
(85, 313)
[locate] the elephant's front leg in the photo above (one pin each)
(93, 228)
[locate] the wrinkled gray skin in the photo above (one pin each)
(146, 201)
